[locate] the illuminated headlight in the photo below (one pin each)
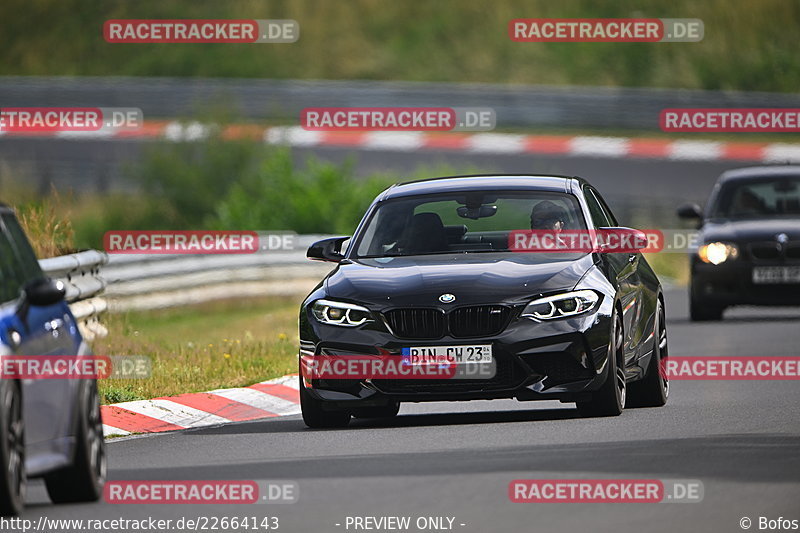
(561, 305)
(717, 252)
(340, 313)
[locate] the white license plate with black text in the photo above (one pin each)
(426, 355)
(776, 275)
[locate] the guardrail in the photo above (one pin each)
(515, 105)
(97, 283)
(151, 281)
(80, 273)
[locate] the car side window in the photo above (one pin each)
(9, 278)
(604, 206)
(28, 265)
(595, 209)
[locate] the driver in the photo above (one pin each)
(546, 215)
(748, 203)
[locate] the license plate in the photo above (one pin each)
(776, 275)
(427, 355)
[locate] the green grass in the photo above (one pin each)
(203, 347)
(747, 45)
(672, 267)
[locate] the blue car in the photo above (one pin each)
(49, 428)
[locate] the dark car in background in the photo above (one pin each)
(429, 268)
(749, 243)
(49, 428)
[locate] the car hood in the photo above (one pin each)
(471, 278)
(750, 230)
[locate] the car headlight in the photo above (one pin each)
(340, 313)
(717, 252)
(561, 305)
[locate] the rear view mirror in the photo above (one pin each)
(475, 213)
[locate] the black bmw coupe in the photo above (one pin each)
(432, 269)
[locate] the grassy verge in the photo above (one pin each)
(203, 347)
(746, 46)
(672, 267)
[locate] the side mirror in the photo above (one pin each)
(45, 291)
(619, 239)
(327, 250)
(690, 211)
(40, 292)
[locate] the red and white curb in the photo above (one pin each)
(477, 143)
(507, 143)
(276, 397)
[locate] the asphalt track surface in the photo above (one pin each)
(741, 439)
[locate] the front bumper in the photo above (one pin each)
(731, 283)
(557, 360)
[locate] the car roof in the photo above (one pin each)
(480, 182)
(760, 172)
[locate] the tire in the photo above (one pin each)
(653, 389)
(315, 416)
(84, 479)
(609, 400)
(383, 411)
(703, 312)
(13, 479)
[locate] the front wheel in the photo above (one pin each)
(702, 311)
(315, 416)
(84, 479)
(12, 449)
(653, 389)
(609, 399)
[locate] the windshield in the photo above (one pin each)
(759, 198)
(471, 222)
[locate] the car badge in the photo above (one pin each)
(447, 298)
(782, 238)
